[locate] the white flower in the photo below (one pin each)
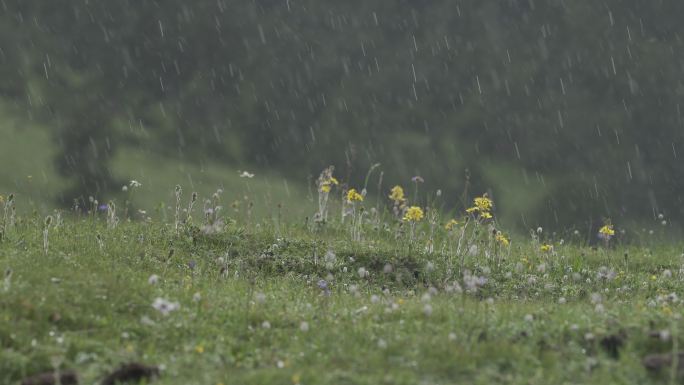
(124, 188)
(246, 174)
(429, 267)
(382, 344)
(197, 297)
(134, 183)
(363, 273)
(260, 297)
(304, 326)
(165, 306)
(266, 325)
(452, 336)
(154, 278)
(529, 318)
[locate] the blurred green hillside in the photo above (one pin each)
(28, 171)
(567, 113)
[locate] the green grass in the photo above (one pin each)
(87, 304)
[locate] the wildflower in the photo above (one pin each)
(414, 214)
(135, 184)
(486, 215)
(546, 248)
(606, 232)
(266, 325)
(304, 326)
(246, 174)
(451, 224)
(363, 273)
(326, 181)
(427, 310)
(354, 196)
(502, 239)
(397, 195)
(199, 349)
(165, 306)
(417, 179)
(154, 278)
(483, 203)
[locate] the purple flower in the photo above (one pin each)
(417, 179)
(102, 207)
(323, 285)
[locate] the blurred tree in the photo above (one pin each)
(577, 101)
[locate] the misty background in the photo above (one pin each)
(567, 112)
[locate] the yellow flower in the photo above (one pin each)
(483, 203)
(607, 231)
(502, 239)
(397, 195)
(326, 184)
(354, 196)
(199, 349)
(545, 248)
(486, 215)
(451, 224)
(414, 214)
(296, 378)
(472, 210)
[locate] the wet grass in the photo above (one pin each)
(253, 309)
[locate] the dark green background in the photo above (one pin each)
(566, 111)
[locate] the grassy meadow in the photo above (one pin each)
(385, 293)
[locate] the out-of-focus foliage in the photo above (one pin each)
(574, 103)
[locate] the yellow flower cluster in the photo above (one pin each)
(397, 195)
(483, 206)
(327, 184)
(354, 196)
(545, 248)
(483, 203)
(607, 230)
(502, 239)
(451, 224)
(414, 214)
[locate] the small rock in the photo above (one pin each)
(657, 362)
